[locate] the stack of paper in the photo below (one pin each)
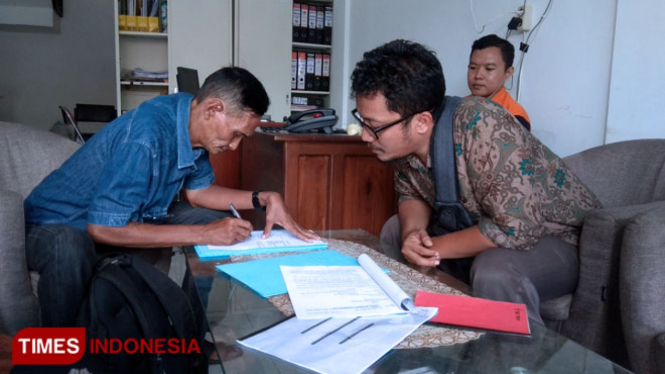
(347, 318)
(337, 345)
(344, 291)
(278, 241)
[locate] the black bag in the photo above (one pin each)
(449, 214)
(131, 301)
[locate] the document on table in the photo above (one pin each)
(337, 345)
(265, 277)
(343, 291)
(278, 241)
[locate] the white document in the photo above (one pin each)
(277, 239)
(337, 345)
(343, 291)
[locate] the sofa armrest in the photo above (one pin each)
(659, 350)
(600, 245)
(18, 304)
(642, 288)
(595, 305)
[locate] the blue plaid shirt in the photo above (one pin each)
(130, 171)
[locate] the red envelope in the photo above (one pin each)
(477, 313)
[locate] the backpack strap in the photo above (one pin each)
(450, 215)
(178, 308)
(112, 273)
(172, 298)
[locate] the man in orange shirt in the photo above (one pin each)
(490, 65)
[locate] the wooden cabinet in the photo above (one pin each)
(328, 181)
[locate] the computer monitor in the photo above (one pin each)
(188, 80)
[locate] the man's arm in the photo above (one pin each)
(414, 215)
(144, 235)
(218, 198)
(420, 249)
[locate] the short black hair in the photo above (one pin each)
(240, 90)
(507, 49)
(408, 74)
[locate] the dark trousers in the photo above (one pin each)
(65, 257)
(547, 271)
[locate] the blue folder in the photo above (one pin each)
(265, 277)
(254, 246)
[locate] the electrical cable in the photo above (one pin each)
(524, 46)
(475, 22)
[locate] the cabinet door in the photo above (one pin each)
(333, 186)
(263, 46)
(365, 187)
(200, 35)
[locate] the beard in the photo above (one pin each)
(394, 162)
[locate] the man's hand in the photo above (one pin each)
(276, 214)
(416, 248)
(228, 231)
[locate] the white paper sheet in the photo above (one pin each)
(350, 291)
(396, 294)
(277, 239)
(321, 345)
(335, 291)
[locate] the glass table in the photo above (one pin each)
(235, 311)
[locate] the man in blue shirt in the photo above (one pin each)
(119, 188)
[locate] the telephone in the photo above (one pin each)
(312, 120)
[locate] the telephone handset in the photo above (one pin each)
(310, 120)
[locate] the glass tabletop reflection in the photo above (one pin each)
(234, 311)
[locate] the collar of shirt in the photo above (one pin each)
(186, 155)
(415, 163)
(500, 96)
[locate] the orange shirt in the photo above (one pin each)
(503, 98)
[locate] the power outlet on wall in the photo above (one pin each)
(526, 13)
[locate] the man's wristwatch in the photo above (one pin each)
(256, 202)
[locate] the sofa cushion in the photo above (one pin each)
(28, 155)
(18, 304)
(556, 309)
(642, 288)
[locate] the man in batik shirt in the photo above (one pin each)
(526, 205)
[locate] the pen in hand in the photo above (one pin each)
(234, 211)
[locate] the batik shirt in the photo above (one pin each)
(514, 187)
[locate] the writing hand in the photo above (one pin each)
(228, 231)
(416, 248)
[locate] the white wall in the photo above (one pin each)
(72, 62)
(592, 62)
(566, 74)
(637, 89)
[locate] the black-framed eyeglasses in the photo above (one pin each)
(375, 131)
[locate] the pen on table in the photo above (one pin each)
(234, 211)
